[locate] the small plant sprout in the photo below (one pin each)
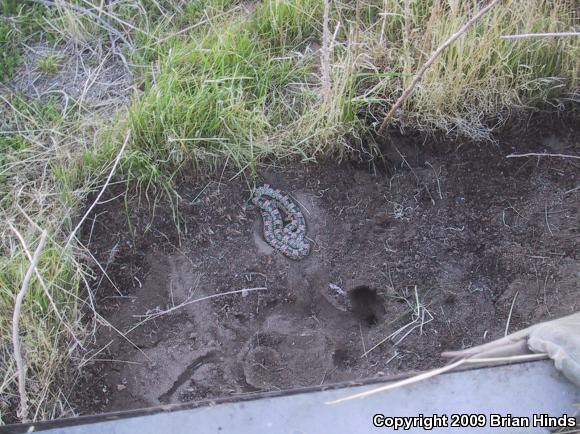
(420, 316)
(51, 63)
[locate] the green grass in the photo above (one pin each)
(50, 64)
(44, 180)
(219, 84)
(213, 99)
(9, 51)
(226, 94)
(20, 23)
(231, 94)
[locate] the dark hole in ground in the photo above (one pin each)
(340, 357)
(365, 304)
(441, 250)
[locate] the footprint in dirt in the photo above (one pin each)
(286, 354)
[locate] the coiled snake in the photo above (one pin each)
(277, 208)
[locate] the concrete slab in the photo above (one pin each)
(517, 392)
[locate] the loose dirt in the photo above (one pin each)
(412, 255)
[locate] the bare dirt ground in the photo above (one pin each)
(424, 254)
(88, 77)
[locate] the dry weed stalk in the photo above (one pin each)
(539, 154)
(409, 90)
(20, 365)
(96, 201)
(325, 53)
(358, 26)
(477, 361)
(541, 35)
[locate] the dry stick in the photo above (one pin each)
(435, 372)
(540, 35)
(507, 324)
(113, 43)
(508, 359)
(20, 368)
(437, 178)
(538, 154)
(333, 42)
(415, 174)
(117, 160)
(405, 382)
(409, 90)
(187, 303)
(325, 54)
(357, 30)
(44, 287)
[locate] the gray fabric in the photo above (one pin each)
(559, 339)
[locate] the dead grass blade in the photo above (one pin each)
(96, 201)
(541, 35)
(435, 372)
(539, 154)
(409, 90)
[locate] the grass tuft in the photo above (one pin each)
(50, 64)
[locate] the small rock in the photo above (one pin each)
(121, 387)
(337, 288)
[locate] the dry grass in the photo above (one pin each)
(475, 83)
(222, 82)
(49, 163)
(420, 317)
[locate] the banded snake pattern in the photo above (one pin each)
(284, 223)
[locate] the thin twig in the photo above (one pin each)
(325, 53)
(111, 173)
(363, 341)
(409, 90)
(154, 315)
(540, 35)
(41, 281)
(508, 359)
(547, 222)
(419, 181)
(538, 154)
(439, 371)
(357, 28)
(116, 18)
(333, 43)
(437, 178)
(20, 367)
(405, 382)
(507, 324)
